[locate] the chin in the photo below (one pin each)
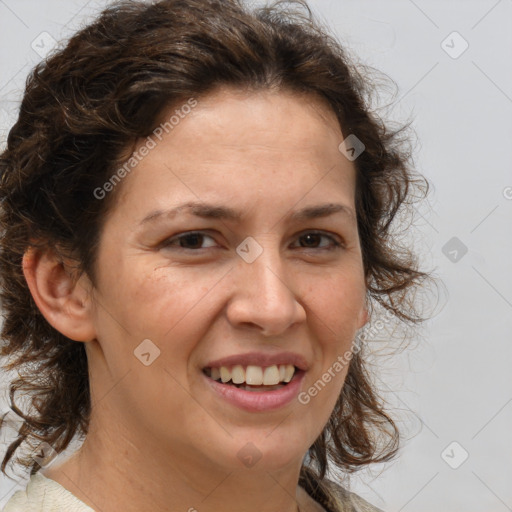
(266, 452)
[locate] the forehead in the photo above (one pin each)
(238, 142)
(266, 119)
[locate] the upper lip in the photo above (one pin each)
(261, 359)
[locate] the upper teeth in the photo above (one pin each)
(254, 375)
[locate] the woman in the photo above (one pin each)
(197, 207)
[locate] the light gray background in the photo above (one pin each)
(454, 384)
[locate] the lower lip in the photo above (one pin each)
(259, 401)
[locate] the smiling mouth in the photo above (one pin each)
(253, 378)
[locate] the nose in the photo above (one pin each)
(263, 297)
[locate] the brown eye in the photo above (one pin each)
(192, 240)
(313, 239)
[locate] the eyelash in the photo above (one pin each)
(168, 243)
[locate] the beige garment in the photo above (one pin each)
(43, 494)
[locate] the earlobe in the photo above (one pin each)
(62, 299)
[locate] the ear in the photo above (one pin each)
(63, 299)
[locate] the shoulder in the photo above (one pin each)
(43, 494)
(349, 501)
(329, 496)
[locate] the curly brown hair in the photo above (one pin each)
(94, 98)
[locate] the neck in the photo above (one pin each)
(110, 473)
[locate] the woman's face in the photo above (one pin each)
(264, 271)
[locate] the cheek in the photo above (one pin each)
(164, 306)
(338, 305)
(156, 301)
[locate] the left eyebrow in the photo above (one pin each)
(211, 211)
(323, 210)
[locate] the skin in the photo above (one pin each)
(159, 437)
